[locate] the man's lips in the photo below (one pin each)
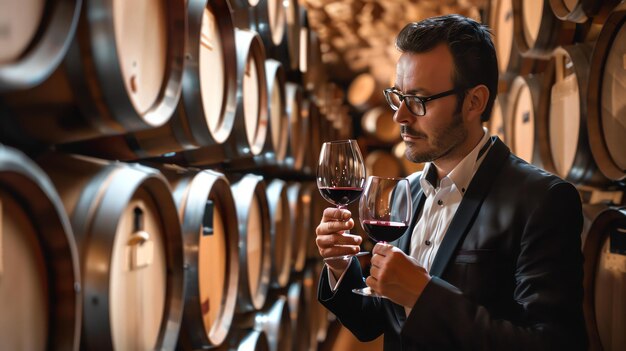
(410, 137)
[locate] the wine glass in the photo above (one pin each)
(340, 176)
(385, 211)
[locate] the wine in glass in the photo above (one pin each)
(340, 175)
(385, 211)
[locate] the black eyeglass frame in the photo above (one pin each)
(420, 99)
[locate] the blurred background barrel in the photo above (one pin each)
(37, 35)
(566, 147)
(246, 340)
(604, 249)
(130, 244)
(40, 284)
(275, 322)
(105, 86)
(206, 209)
(527, 103)
(378, 122)
(537, 31)
(607, 105)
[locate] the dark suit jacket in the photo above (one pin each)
(507, 276)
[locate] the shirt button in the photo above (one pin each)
(440, 203)
(427, 242)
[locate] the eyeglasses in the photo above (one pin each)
(415, 104)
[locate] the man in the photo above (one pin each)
(492, 259)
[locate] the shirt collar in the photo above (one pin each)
(461, 175)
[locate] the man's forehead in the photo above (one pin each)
(416, 69)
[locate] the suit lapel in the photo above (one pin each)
(476, 191)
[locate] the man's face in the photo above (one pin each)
(442, 128)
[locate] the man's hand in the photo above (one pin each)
(331, 240)
(396, 275)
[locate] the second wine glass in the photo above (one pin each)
(385, 212)
(340, 174)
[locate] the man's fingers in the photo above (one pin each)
(381, 249)
(335, 251)
(335, 214)
(324, 241)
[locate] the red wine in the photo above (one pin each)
(340, 196)
(384, 230)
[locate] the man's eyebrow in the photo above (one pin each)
(415, 91)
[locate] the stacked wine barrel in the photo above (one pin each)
(157, 160)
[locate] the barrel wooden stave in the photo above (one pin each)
(211, 259)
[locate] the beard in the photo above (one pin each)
(440, 143)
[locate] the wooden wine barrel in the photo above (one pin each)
(281, 228)
(206, 112)
(566, 148)
(604, 249)
(298, 128)
(299, 205)
(287, 51)
(313, 77)
(408, 167)
(497, 122)
(311, 116)
(246, 340)
(122, 73)
(250, 128)
(299, 312)
(130, 244)
(40, 284)
(579, 11)
(305, 41)
(365, 92)
(537, 31)
(36, 36)
(383, 164)
(606, 121)
(269, 20)
(378, 122)
(206, 209)
(275, 150)
(275, 321)
(527, 103)
(254, 242)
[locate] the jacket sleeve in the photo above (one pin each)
(363, 316)
(547, 291)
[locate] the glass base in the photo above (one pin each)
(367, 291)
(346, 257)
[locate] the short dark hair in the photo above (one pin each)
(471, 47)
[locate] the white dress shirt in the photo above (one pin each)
(442, 201)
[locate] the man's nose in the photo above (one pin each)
(403, 115)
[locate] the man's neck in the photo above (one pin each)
(446, 164)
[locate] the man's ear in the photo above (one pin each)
(476, 101)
